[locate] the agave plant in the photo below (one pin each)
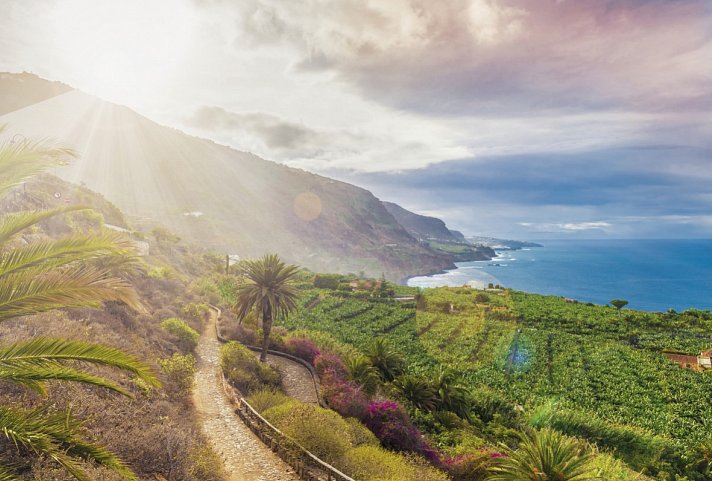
(40, 276)
(544, 455)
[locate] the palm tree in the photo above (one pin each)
(40, 276)
(362, 372)
(452, 396)
(269, 289)
(384, 358)
(418, 390)
(542, 456)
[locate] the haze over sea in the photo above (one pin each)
(653, 275)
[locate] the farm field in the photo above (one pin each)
(589, 371)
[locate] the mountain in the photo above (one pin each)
(210, 194)
(433, 233)
(422, 227)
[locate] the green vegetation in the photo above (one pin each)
(40, 276)
(187, 337)
(345, 443)
(243, 371)
(542, 455)
(269, 290)
(502, 362)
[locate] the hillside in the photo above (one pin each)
(210, 194)
(433, 233)
(529, 360)
(421, 226)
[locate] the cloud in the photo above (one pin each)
(494, 57)
(301, 146)
(567, 226)
(275, 132)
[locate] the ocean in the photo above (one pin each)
(653, 275)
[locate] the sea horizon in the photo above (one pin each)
(651, 274)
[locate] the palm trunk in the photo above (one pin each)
(266, 329)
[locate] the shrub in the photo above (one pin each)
(243, 334)
(321, 431)
(332, 363)
(205, 464)
(370, 463)
(187, 337)
(473, 466)
(267, 398)
(390, 423)
(180, 371)
(327, 281)
(302, 348)
(244, 371)
(386, 359)
(360, 435)
(195, 311)
(343, 396)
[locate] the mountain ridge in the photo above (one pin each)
(222, 198)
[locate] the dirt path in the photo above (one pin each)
(296, 379)
(244, 456)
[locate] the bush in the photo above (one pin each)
(390, 423)
(267, 398)
(332, 363)
(343, 396)
(244, 371)
(370, 463)
(187, 336)
(302, 348)
(360, 435)
(472, 466)
(327, 281)
(205, 464)
(320, 431)
(197, 312)
(180, 371)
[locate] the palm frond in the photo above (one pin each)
(48, 255)
(74, 286)
(7, 474)
(57, 435)
(16, 222)
(22, 160)
(45, 356)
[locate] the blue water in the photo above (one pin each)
(653, 275)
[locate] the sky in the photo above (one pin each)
(527, 119)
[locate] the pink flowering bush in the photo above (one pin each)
(472, 466)
(330, 362)
(343, 396)
(392, 426)
(302, 348)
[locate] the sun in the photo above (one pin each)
(122, 50)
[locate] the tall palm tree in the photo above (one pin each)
(40, 276)
(544, 456)
(269, 289)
